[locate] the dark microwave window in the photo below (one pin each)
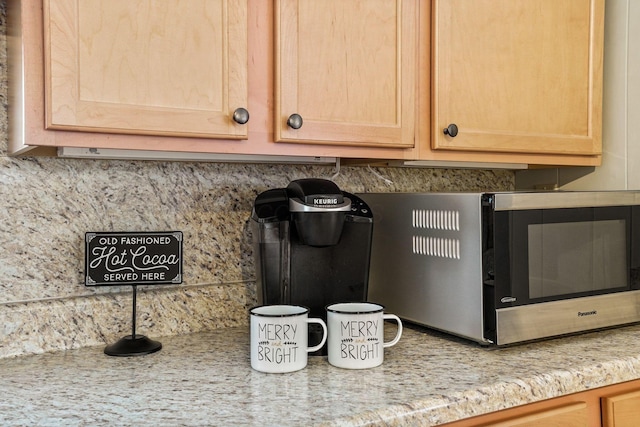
(574, 257)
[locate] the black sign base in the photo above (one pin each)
(134, 344)
(129, 346)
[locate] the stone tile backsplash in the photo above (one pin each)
(48, 204)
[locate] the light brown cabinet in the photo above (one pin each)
(132, 67)
(572, 415)
(113, 88)
(363, 75)
(518, 76)
(621, 410)
(611, 406)
(346, 72)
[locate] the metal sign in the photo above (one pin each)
(131, 258)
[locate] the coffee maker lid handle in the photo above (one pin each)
(308, 190)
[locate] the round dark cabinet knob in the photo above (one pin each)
(241, 116)
(294, 121)
(451, 130)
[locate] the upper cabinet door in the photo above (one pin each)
(147, 67)
(517, 75)
(346, 72)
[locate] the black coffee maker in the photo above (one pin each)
(312, 247)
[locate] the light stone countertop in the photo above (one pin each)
(206, 379)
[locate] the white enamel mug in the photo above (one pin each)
(279, 338)
(356, 334)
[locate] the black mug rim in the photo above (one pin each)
(306, 310)
(380, 309)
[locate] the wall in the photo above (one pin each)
(48, 204)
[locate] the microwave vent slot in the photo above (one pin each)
(436, 247)
(436, 219)
(433, 219)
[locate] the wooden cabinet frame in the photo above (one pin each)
(27, 133)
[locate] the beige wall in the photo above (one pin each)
(48, 204)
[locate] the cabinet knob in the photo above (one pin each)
(451, 130)
(295, 121)
(241, 116)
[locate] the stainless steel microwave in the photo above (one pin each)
(503, 268)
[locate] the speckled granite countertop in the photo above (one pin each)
(206, 379)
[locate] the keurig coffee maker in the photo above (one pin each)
(312, 246)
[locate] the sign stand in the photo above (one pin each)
(133, 345)
(133, 258)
